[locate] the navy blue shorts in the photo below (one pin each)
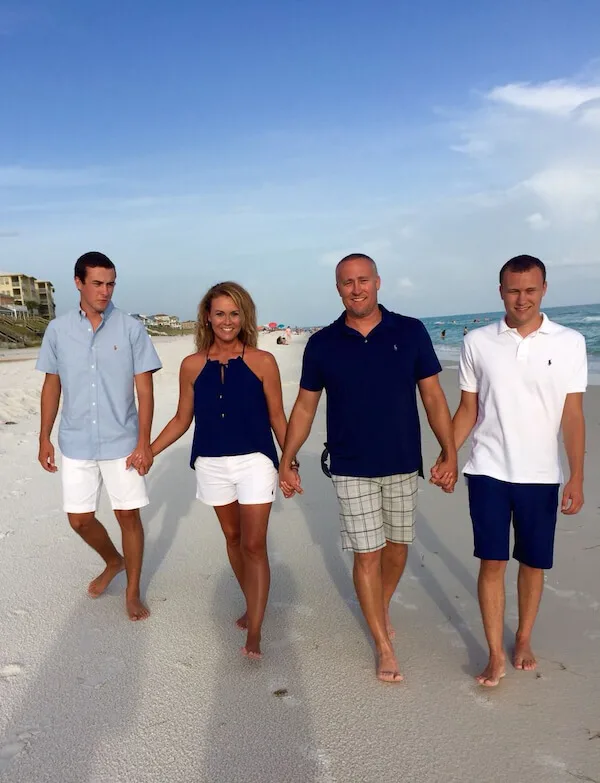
(532, 508)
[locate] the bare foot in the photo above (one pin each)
(242, 622)
(252, 648)
(391, 632)
(387, 667)
(523, 658)
(136, 609)
(98, 585)
(493, 672)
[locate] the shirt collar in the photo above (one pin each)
(105, 315)
(545, 328)
(385, 320)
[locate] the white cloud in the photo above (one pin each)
(555, 97)
(537, 221)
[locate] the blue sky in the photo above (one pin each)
(261, 141)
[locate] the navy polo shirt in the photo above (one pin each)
(371, 383)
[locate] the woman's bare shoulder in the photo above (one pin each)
(193, 363)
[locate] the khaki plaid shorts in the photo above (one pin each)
(376, 510)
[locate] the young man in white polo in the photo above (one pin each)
(522, 380)
(95, 356)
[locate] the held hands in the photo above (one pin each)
(444, 473)
(141, 459)
(46, 456)
(289, 481)
(572, 497)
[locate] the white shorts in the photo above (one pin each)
(82, 481)
(248, 478)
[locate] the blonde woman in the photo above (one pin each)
(233, 390)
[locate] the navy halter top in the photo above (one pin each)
(231, 413)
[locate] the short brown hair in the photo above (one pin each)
(249, 334)
(523, 264)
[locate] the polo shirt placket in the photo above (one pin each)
(94, 385)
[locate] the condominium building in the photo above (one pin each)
(36, 295)
(47, 308)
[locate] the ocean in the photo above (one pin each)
(584, 318)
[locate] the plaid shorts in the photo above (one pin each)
(376, 510)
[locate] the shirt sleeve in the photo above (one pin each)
(312, 374)
(467, 379)
(47, 360)
(579, 379)
(145, 358)
(427, 362)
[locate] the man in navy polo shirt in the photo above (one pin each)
(370, 362)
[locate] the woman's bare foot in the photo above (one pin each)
(387, 667)
(493, 672)
(136, 609)
(523, 657)
(98, 585)
(242, 622)
(252, 647)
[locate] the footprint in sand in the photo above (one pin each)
(104, 672)
(16, 743)
(18, 612)
(6, 534)
(10, 670)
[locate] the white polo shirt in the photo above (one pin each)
(522, 384)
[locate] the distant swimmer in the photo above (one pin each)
(97, 356)
(465, 330)
(371, 378)
(443, 334)
(522, 380)
(233, 391)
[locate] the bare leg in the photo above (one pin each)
(257, 575)
(229, 519)
(490, 588)
(94, 534)
(369, 589)
(530, 585)
(393, 562)
(133, 551)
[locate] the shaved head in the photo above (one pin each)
(355, 257)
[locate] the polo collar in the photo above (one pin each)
(385, 322)
(545, 328)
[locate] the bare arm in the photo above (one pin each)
(50, 400)
(141, 458)
(273, 394)
(298, 430)
(180, 423)
(465, 417)
(573, 428)
(445, 471)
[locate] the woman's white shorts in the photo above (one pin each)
(82, 481)
(248, 478)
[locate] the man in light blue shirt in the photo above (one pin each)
(98, 357)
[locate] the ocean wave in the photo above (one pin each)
(591, 319)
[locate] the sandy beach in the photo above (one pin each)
(88, 697)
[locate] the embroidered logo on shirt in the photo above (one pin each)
(549, 362)
(395, 347)
(115, 348)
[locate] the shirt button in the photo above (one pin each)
(94, 421)
(93, 385)
(93, 366)
(90, 329)
(93, 403)
(366, 341)
(222, 415)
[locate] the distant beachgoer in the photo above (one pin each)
(281, 340)
(233, 390)
(465, 330)
(288, 335)
(521, 379)
(96, 355)
(443, 334)
(370, 362)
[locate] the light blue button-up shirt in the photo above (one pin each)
(99, 418)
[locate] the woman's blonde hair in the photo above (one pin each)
(243, 301)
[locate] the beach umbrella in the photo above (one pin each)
(272, 325)
(281, 326)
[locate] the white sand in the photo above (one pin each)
(88, 697)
